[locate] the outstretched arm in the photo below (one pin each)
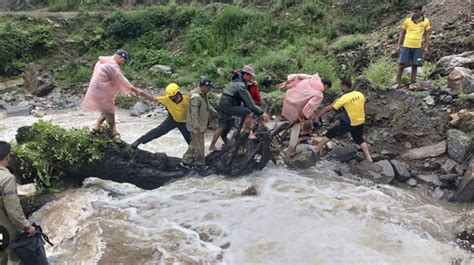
(147, 96)
(324, 111)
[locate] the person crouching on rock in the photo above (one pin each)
(197, 121)
(106, 82)
(12, 218)
(353, 104)
(177, 106)
(236, 101)
(303, 98)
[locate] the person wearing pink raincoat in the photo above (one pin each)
(106, 82)
(303, 98)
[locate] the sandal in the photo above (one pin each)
(116, 138)
(95, 131)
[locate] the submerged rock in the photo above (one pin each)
(432, 180)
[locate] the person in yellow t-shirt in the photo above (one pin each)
(353, 104)
(177, 106)
(413, 49)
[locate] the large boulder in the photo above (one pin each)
(446, 64)
(426, 151)
(379, 172)
(461, 80)
(138, 109)
(22, 109)
(306, 157)
(465, 191)
(459, 145)
(402, 170)
(38, 79)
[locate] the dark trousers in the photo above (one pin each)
(167, 125)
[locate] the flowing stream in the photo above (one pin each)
(299, 217)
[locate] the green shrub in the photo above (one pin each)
(14, 50)
(41, 39)
(356, 24)
(52, 151)
(278, 62)
(200, 35)
(329, 31)
(381, 73)
(347, 42)
(326, 67)
(145, 58)
(74, 74)
(230, 21)
(313, 10)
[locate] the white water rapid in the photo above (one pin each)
(299, 217)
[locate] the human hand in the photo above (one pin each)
(196, 131)
(31, 231)
(265, 117)
(397, 48)
(281, 85)
(425, 50)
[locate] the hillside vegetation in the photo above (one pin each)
(278, 38)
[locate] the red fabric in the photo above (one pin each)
(255, 93)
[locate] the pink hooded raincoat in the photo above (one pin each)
(106, 82)
(303, 97)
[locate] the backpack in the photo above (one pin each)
(30, 250)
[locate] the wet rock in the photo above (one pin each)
(448, 166)
(424, 85)
(38, 113)
(22, 109)
(225, 245)
(465, 191)
(388, 153)
(459, 145)
(380, 172)
(343, 153)
(402, 170)
(446, 64)
(461, 80)
(250, 191)
(429, 100)
(460, 169)
(412, 182)
(158, 68)
(138, 109)
(447, 99)
(448, 178)
(11, 84)
(438, 193)
(432, 180)
(38, 79)
(465, 233)
(7, 97)
(306, 157)
(426, 151)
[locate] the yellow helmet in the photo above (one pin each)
(172, 89)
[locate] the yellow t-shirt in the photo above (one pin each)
(176, 110)
(353, 103)
(414, 32)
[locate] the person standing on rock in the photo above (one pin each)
(177, 106)
(12, 218)
(353, 104)
(106, 82)
(414, 29)
(303, 98)
(236, 101)
(197, 121)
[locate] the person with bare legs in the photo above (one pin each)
(353, 104)
(413, 31)
(106, 82)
